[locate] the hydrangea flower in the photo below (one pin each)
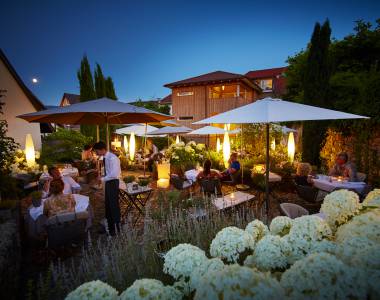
(372, 199)
(257, 229)
(271, 253)
(339, 207)
(237, 282)
(280, 225)
(93, 290)
(350, 247)
(181, 260)
(196, 277)
(310, 228)
(322, 276)
(150, 289)
(230, 242)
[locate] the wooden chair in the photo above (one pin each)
(293, 210)
(307, 193)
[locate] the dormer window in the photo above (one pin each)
(266, 85)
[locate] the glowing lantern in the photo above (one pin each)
(125, 144)
(163, 172)
(259, 169)
(273, 144)
(218, 145)
(132, 146)
(29, 151)
(177, 139)
(226, 149)
(291, 147)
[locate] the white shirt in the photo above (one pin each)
(69, 184)
(112, 167)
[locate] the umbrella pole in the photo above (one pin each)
(146, 124)
(267, 171)
(107, 137)
(242, 186)
(97, 133)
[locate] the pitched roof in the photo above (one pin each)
(73, 98)
(213, 77)
(265, 73)
(166, 100)
(37, 104)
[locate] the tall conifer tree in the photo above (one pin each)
(100, 82)
(110, 89)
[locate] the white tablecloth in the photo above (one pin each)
(73, 172)
(326, 185)
(81, 205)
(273, 177)
(232, 199)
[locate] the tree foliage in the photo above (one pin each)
(153, 105)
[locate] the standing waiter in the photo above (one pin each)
(111, 180)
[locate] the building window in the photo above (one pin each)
(185, 118)
(223, 91)
(266, 85)
(182, 94)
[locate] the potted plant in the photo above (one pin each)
(144, 182)
(129, 179)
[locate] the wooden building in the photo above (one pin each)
(271, 81)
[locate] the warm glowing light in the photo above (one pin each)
(163, 183)
(29, 151)
(177, 139)
(116, 143)
(223, 87)
(273, 144)
(226, 149)
(218, 145)
(163, 171)
(34, 80)
(132, 146)
(291, 147)
(259, 169)
(125, 144)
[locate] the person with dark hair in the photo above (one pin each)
(58, 202)
(233, 167)
(87, 153)
(110, 177)
(208, 172)
(343, 168)
(69, 183)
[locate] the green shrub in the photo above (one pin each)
(129, 178)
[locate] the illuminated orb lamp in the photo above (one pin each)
(218, 145)
(116, 143)
(163, 172)
(177, 139)
(259, 169)
(132, 146)
(226, 149)
(125, 142)
(30, 154)
(291, 147)
(273, 144)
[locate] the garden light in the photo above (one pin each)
(177, 139)
(259, 169)
(132, 146)
(29, 151)
(125, 144)
(218, 145)
(291, 147)
(273, 144)
(226, 148)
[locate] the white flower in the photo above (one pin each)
(339, 207)
(372, 199)
(350, 247)
(310, 228)
(236, 282)
(150, 289)
(322, 276)
(280, 225)
(270, 253)
(189, 149)
(368, 258)
(181, 260)
(93, 290)
(230, 242)
(201, 147)
(211, 265)
(366, 225)
(257, 229)
(191, 144)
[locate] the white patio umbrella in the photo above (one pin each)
(95, 112)
(138, 129)
(207, 130)
(269, 110)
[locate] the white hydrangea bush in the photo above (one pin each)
(93, 290)
(372, 199)
(310, 228)
(237, 282)
(339, 207)
(150, 289)
(257, 229)
(271, 253)
(280, 225)
(322, 276)
(181, 260)
(347, 249)
(230, 242)
(211, 265)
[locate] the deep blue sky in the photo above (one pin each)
(145, 44)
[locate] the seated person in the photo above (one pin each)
(302, 174)
(156, 157)
(233, 168)
(208, 172)
(58, 202)
(69, 183)
(343, 168)
(87, 153)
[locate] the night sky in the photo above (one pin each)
(144, 44)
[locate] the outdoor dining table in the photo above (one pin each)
(232, 199)
(328, 184)
(134, 198)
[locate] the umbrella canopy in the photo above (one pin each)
(96, 112)
(207, 130)
(270, 110)
(138, 129)
(283, 129)
(170, 130)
